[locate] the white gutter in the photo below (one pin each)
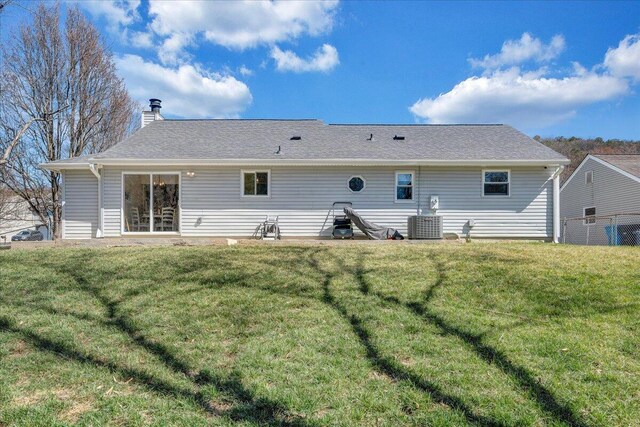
(64, 166)
(556, 204)
(304, 162)
(94, 168)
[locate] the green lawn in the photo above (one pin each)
(485, 334)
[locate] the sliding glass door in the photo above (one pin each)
(165, 202)
(151, 202)
(137, 203)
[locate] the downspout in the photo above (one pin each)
(556, 204)
(95, 169)
(419, 191)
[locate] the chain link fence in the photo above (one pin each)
(608, 230)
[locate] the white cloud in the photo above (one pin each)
(117, 13)
(532, 98)
(324, 59)
(243, 24)
(518, 98)
(244, 71)
(188, 91)
(527, 48)
(120, 14)
(171, 51)
(141, 39)
(624, 61)
(235, 24)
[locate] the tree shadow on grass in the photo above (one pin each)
(525, 380)
(239, 403)
(386, 365)
(242, 404)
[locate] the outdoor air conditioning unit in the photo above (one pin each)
(424, 227)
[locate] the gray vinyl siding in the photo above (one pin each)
(212, 206)
(610, 193)
(527, 212)
(80, 208)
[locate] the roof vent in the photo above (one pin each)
(370, 137)
(296, 138)
(279, 151)
(398, 138)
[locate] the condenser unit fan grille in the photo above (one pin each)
(424, 227)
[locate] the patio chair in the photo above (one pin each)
(167, 218)
(135, 219)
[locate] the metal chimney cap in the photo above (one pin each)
(154, 103)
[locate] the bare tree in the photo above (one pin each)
(60, 97)
(9, 207)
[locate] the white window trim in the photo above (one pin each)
(254, 171)
(508, 171)
(151, 232)
(586, 181)
(364, 183)
(413, 187)
(584, 214)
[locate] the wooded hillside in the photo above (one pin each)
(577, 148)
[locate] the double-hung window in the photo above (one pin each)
(404, 186)
(496, 183)
(589, 215)
(256, 183)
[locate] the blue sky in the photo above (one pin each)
(548, 68)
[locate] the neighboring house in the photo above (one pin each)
(16, 215)
(222, 177)
(602, 185)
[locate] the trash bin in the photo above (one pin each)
(628, 234)
(637, 237)
(614, 236)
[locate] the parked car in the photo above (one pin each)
(27, 235)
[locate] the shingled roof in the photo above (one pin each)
(271, 141)
(629, 163)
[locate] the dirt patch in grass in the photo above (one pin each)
(75, 410)
(321, 413)
(19, 349)
(221, 407)
(29, 399)
(407, 361)
(381, 376)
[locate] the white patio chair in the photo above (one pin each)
(135, 219)
(167, 218)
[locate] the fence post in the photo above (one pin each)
(564, 231)
(615, 223)
(588, 229)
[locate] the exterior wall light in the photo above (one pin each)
(191, 174)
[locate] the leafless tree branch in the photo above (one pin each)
(60, 97)
(16, 139)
